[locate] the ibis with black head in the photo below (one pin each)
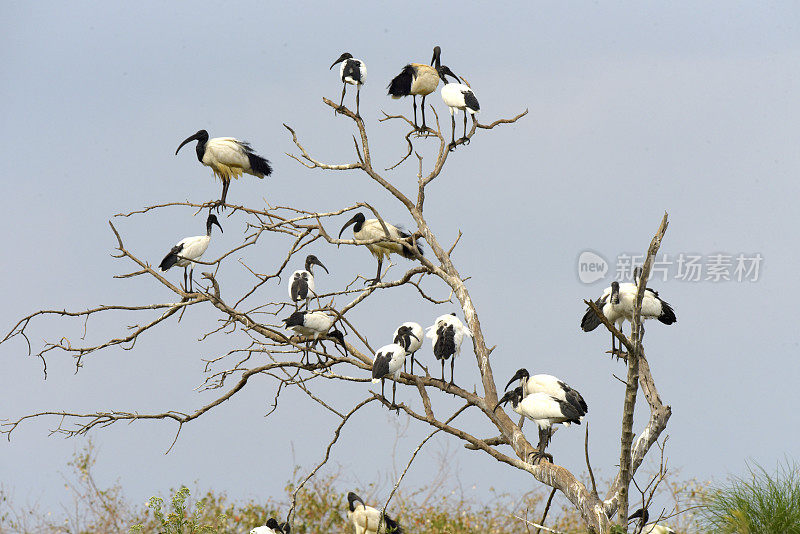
(228, 158)
(301, 284)
(417, 79)
(354, 72)
(189, 249)
(371, 229)
(457, 96)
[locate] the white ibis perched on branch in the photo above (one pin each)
(552, 386)
(616, 303)
(301, 284)
(409, 336)
(389, 361)
(371, 229)
(272, 527)
(417, 79)
(544, 410)
(457, 96)
(189, 249)
(352, 71)
(446, 335)
(314, 325)
(367, 520)
(228, 158)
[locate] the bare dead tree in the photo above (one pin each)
(268, 350)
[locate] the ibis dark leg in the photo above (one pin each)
(452, 366)
(544, 435)
(394, 406)
(465, 138)
(344, 90)
(443, 371)
(378, 275)
(225, 185)
(424, 127)
(358, 95)
(453, 135)
(414, 100)
(412, 364)
(185, 276)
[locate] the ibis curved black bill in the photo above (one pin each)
(315, 261)
(200, 135)
(348, 223)
(518, 375)
(344, 56)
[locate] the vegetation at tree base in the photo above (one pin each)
(320, 509)
(757, 503)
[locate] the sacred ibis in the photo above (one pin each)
(370, 229)
(189, 249)
(544, 410)
(409, 336)
(417, 79)
(301, 283)
(446, 335)
(616, 303)
(457, 96)
(367, 520)
(352, 71)
(552, 386)
(228, 158)
(389, 361)
(313, 325)
(644, 516)
(272, 527)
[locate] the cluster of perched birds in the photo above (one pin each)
(542, 398)
(416, 79)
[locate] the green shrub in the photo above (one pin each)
(757, 503)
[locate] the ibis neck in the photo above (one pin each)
(201, 151)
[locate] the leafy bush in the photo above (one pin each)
(757, 503)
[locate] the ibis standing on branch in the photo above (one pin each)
(366, 519)
(272, 527)
(314, 325)
(617, 302)
(417, 79)
(552, 386)
(544, 410)
(189, 249)
(409, 336)
(352, 71)
(228, 158)
(457, 96)
(446, 336)
(301, 284)
(389, 361)
(371, 229)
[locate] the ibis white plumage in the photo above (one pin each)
(272, 527)
(389, 361)
(352, 71)
(314, 325)
(417, 79)
(189, 249)
(616, 303)
(301, 283)
(544, 410)
(446, 335)
(457, 96)
(228, 158)
(409, 335)
(370, 229)
(552, 386)
(367, 520)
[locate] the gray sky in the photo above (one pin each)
(633, 110)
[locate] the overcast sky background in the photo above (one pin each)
(690, 108)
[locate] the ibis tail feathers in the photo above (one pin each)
(170, 259)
